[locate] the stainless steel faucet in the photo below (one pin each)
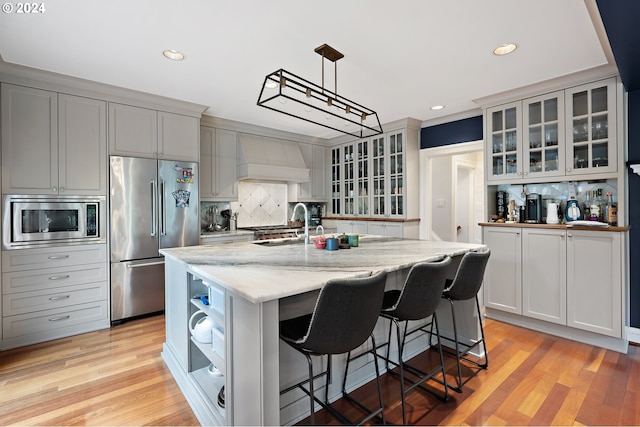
(306, 220)
(320, 227)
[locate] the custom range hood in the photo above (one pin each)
(270, 159)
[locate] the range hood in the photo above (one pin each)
(270, 159)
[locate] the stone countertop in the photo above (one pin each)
(261, 273)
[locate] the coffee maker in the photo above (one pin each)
(533, 208)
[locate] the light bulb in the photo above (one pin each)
(308, 108)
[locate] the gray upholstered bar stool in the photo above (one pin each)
(417, 300)
(465, 286)
(344, 317)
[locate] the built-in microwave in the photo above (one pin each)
(32, 221)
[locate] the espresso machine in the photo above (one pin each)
(533, 208)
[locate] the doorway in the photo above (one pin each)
(452, 183)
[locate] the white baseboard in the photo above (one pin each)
(633, 334)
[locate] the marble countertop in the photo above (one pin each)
(262, 273)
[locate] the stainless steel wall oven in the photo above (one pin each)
(32, 221)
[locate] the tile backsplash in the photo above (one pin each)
(261, 203)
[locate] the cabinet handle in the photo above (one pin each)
(54, 189)
(59, 297)
(568, 169)
(56, 319)
(66, 276)
(61, 189)
(569, 235)
(59, 257)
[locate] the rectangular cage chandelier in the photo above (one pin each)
(294, 96)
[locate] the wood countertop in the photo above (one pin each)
(555, 226)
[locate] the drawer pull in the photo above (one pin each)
(56, 319)
(59, 297)
(59, 257)
(66, 276)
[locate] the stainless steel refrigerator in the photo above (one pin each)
(153, 205)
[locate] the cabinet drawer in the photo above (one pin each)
(52, 278)
(54, 319)
(28, 259)
(36, 301)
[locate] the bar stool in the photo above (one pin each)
(344, 317)
(417, 300)
(465, 286)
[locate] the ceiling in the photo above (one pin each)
(400, 57)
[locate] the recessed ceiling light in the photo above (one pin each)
(437, 107)
(173, 55)
(505, 49)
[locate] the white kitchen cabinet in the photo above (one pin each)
(544, 273)
(352, 227)
(50, 293)
(52, 143)
(591, 137)
(142, 132)
(566, 134)
(503, 275)
(178, 137)
(594, 281)
(543, 136)
(218, 175)
(377, 177)
(315, 190)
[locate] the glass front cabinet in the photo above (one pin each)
(565, 133)
(368, 177)
(591, 132)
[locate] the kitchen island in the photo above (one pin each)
(252, 286)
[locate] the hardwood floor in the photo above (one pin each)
(117, 377)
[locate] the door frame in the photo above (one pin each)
(426, 184)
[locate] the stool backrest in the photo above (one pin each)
(345, 314)
(421, 292)
(469, 276)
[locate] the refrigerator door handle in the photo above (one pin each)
(163, 209)
(144, 264)
(154, 208)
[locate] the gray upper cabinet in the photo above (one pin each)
(52, 143)
(142, 132)
(218, 178)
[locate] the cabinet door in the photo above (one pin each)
(336, 180)
(591, 130)
(396, 152)
(82, 146)
(178, 137)
(29, 140)
(225, 165)
(133, 131)
(207, 161)
(544, 272)
(361, 196)
(503, 276)
(349, 179)
(594, 281)
(544, 135)
(503, 133)
(319, 173)
(387, 229)
(378, 177)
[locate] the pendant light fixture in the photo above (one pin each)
(294, 96)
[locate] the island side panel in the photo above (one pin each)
(254, 363)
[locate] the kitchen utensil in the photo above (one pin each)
(201, 330)
(332, 244)
(353, 240)
(533, 208)
(344, 239)
(320, 242)
(552, 213)
(573, 211)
